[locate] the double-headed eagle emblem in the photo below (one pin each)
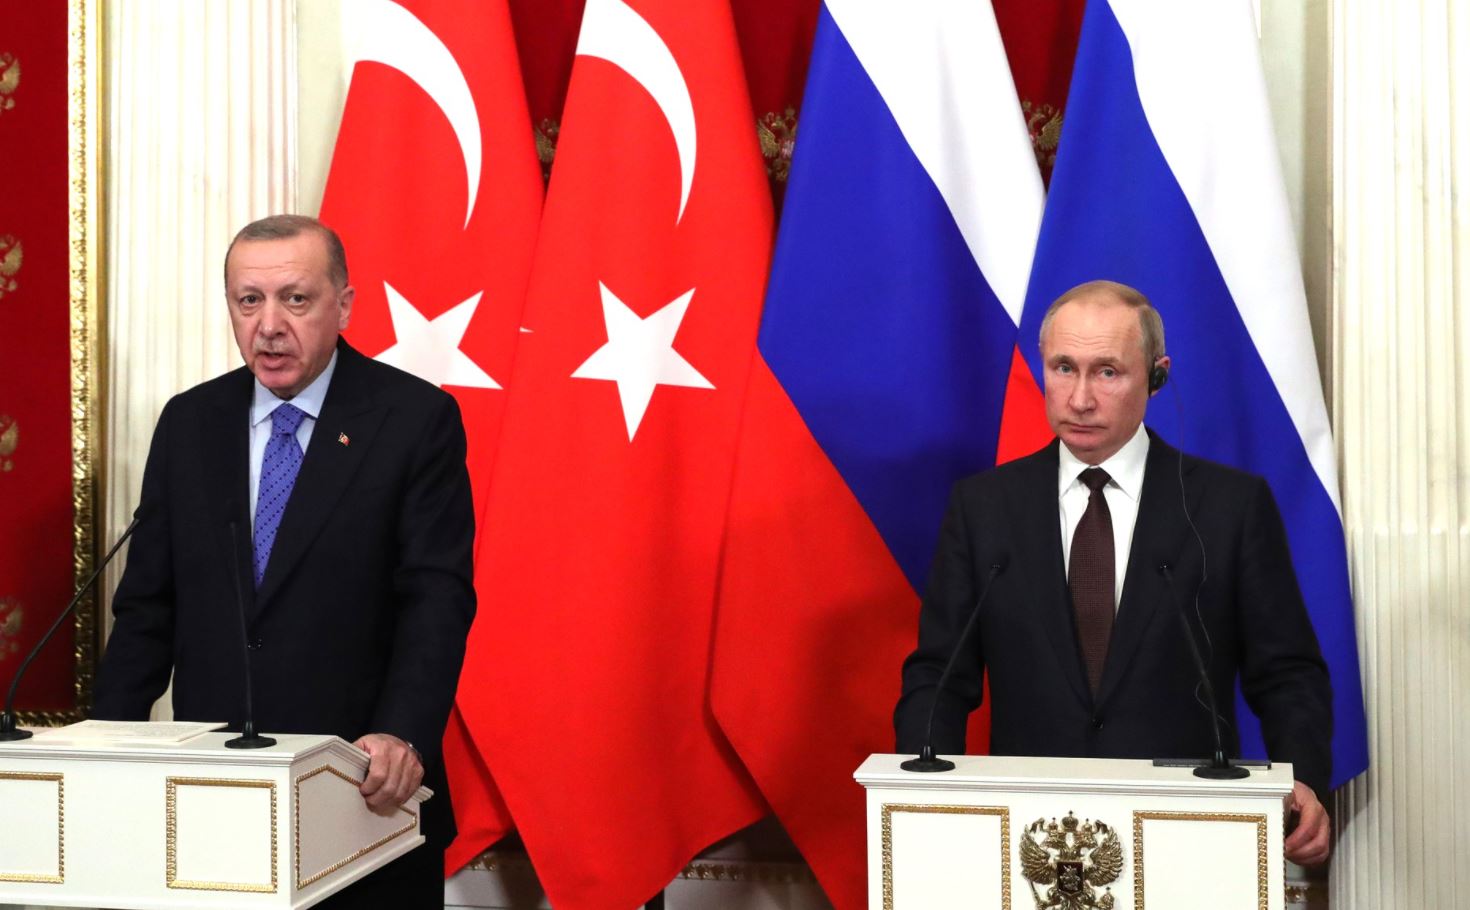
(1072, 859)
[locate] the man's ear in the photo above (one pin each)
(344, 300)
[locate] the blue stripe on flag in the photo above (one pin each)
(1116, 211)
(878, 322)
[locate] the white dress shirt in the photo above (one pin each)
(1125, 469)
(308, 401)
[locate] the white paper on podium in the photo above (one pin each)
(102, 732)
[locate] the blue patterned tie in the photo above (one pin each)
(277, 476)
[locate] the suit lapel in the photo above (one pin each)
(342, 436)
(225, 441)
(1041, 546)
(1158, 535)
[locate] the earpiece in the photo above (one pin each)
(1157, 377)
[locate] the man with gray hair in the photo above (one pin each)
(331, 490)
(1090, 546)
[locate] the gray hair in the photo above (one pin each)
(282, 227)
(1150, 323)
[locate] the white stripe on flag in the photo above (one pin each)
(941, 68)
(1199, 76)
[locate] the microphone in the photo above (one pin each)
(927, 762)
(9, 733)
(1220, 767)
(248, 738)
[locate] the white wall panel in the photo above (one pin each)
(1401, 403)
(201, 138)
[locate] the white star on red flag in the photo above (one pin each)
(429, 348)
(639, 354)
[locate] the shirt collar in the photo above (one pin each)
(1125, 468)
(309, 400)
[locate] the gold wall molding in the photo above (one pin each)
(60, 780)
(1259, 821)
(302, 881)
(171, 835)
(1001, 812)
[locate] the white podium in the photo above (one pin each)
(1073, 834)
(88, 824)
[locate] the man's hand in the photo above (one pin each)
(394, 772)
(1311, 843)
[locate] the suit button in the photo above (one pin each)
(1097, 723)
(254, 644)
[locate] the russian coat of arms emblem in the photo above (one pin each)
(1071, 859)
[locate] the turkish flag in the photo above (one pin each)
(436, 192)
(604, 527)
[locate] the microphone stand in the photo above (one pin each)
(928, 762)
(1220, 767)
(248, 738)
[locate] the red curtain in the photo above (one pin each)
(36, 512)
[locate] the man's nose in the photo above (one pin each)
(1081, 398)
(272, 319)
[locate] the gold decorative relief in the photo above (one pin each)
(60, 877)
(172, 834)
(777, 133)
(1071, 859)
(1139, 817)
(546, 132)
(1001, 812)
(1044, 123)
(302, 881)
(11, 619)
(9, 442)
(12, 257)
(9, 81)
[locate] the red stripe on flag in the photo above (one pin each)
(813, 605)
(1023, 426)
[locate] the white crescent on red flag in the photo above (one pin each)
(602, 537)
(436, 192)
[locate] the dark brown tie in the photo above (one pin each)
(1090, 576)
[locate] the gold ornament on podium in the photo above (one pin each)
(1072, 859)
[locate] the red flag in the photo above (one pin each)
(436, 192)
(605, 519)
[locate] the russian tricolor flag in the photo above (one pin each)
(1167, 179)
(885, 348)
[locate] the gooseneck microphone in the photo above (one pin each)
(9, 733)
(927, 762)
(1220, 767)
(248, 738)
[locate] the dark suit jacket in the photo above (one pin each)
(1146, 706)
(360, 622)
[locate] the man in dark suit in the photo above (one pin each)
(1092, 552)
(328, 492)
